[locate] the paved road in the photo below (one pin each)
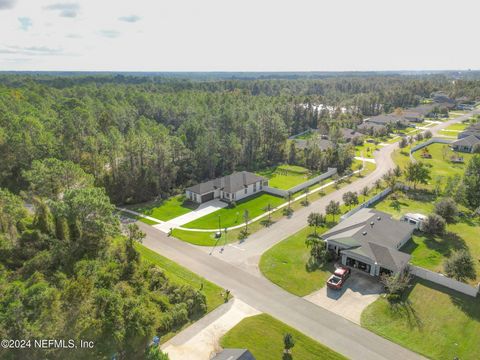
(322, 325)
(246, 254)
(235, 270)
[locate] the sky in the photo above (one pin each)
(246, 35)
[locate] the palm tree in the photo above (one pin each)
(246, 217)
(315, 220)
(288, 342)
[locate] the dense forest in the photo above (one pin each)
(72, 147)
(68, 271)
(143, 137)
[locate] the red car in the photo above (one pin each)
(338, 278)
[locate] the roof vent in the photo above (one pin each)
(364, 233)
(379, 218)
(371, 224)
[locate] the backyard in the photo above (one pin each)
(431, 251)
(285, 177)
(165, 209)
(263, 336)
(255, 205)
(434, 321)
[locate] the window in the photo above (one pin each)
(246, 190)
(255, 187)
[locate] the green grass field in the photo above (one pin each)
(263, 336)
(234, 216)
(286, 176)
(366, 150)
(166, 209)
(284, 265)
(440, 161)
(457, 126)
(431, 251)
(181, 276)
(434, 321)
(208, 238)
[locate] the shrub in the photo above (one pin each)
(434, 225)
(396, 284)
(460, 266)
(232, 204)
(447, 208)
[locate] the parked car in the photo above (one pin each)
(338, 278)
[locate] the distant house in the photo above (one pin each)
(234, 187)
(387, 119)
(368, 128)
(441, 97)
(234, 354)
(466, 144)
(322, 144)
(471, 130)
(370, 240)
(349, 134)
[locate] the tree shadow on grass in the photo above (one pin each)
(405, 309)
(469, 305)
(446, 243)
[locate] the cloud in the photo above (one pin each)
(7, 4)
(74, 36)
(112, 34)
(130, 18)
(31, 50)
(25, 23)
(69, 10)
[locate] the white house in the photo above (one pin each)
(414, 219)
(234, 187)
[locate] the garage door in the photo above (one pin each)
(207, 197)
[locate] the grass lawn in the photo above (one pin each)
(431, 251)
(234, 216)
(457, 126)
(434, 321)
(139, 218)
(286, 176)
(365, 150)
(263, 336)
(284, 265)
(208, 239)
(166, 209)
(440, 161)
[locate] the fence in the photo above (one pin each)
(431, 141)
(304, 185)
(367, 203)
(441, 279)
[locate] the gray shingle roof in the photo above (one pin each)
(470, 140)
(375, 235)
(234, 354)
(323, 144)
(230, 183)
(386, 119)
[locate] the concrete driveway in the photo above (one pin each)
(203, 210)
(359, 291)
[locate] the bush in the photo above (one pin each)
(427, 134)
(434, 225)
(288, 211)
(396, 284)
(243, 234)
(232, 204)
(447, 208)
(460, 266)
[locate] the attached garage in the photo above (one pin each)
(207, 197)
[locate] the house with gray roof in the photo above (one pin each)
(234, 354)
(234, 187)
(322, 144)
(370, 240)
(466, 144)
(387, 119)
